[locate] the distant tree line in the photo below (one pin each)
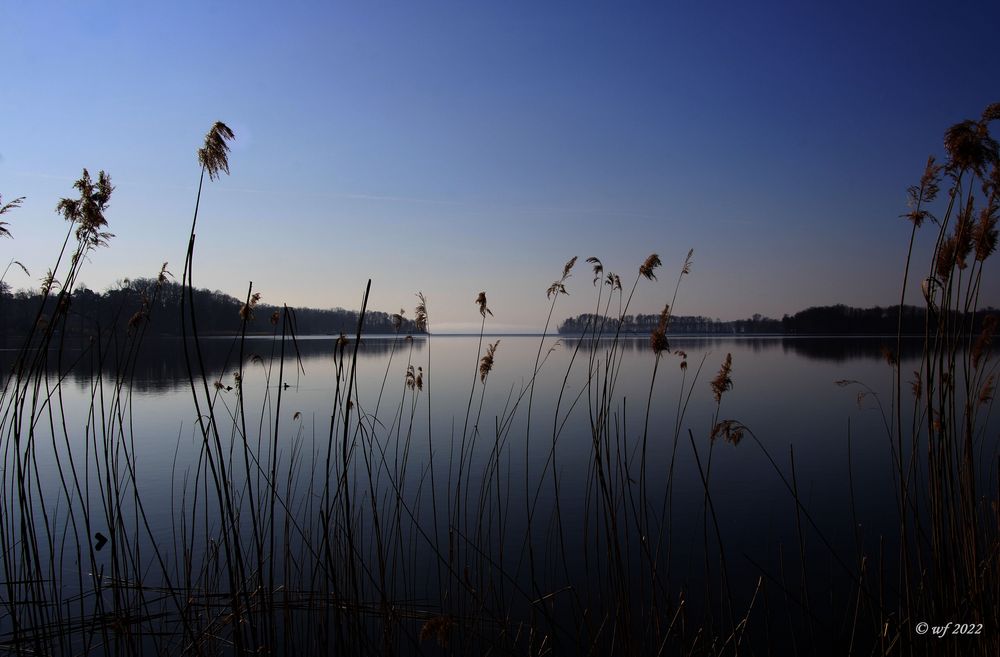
(681, 324)
(158, 304)
(825, 320)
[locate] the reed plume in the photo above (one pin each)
(598, 268)
(214, 155)
(658, 338)
(88, 210)
(970, 147)
(486, 362)
(723, 380)
(984, 232)
(246, 312)
(481, 302)
(420, 314)
(731, 430)
(555, 288)
(688, 261)
(568, 267)
(4, 209)
(649, 266)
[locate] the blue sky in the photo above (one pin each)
(453, 147)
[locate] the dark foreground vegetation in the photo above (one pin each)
(356, 547)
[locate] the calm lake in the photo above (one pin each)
(498, 476)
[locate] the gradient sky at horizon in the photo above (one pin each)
(453, 147)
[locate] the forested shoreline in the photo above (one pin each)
(157, 304)
(818, 320)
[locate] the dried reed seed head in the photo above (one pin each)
(991, 113)
(397, 319)
(556, 288)
(4, 209)
(916, 385)
(658, 341)
(420, 379)
(731, 430)
(214, 155)
(613, 281)
(916, 217)
(481, 302)
(486, 362)
(246, 312)
(568, 267)
(410, 377)
(135, 320)
(930, 181)
(164, 273)
(986, 394)
(439, 628)
(984, 341)
(420, 314)
(686, 269)
(649, 266)
(723, 380)
(275, 317)
(598, 268)
(888, 355)
(88, 210)
(984, 233)
(664, 317)
(970, 147)
(945, 260)
(963, 235)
